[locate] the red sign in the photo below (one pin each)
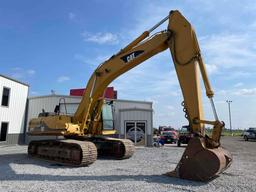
(109, 93)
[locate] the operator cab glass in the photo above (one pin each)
(107, 117)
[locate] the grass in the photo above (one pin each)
(227, 132)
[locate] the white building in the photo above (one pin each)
(13, 95)
(132, 119)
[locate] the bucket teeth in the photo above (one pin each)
(200, 163)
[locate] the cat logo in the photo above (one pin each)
(131, 56)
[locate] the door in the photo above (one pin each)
(3, 131)
(135, 131)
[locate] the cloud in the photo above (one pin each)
(168, 115)
(71, 15)
(151, 99)
(101, 38)
(148, 80)
(62, 79)
(170, 107)
(219, 102)
(211, 69)
(245, 92)
(222, 92)
(92, 61)
(238, 84)
(34, 93)
(235, 74)
(31, 72)
(228, 50)
(237, 91)
(20, 73)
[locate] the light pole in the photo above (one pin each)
(229, 111)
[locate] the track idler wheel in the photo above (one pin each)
(200, 163)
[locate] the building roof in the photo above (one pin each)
(54, 95)
(133, 101)
(6, 77)
(68, 96)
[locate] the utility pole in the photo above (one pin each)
(229, 111)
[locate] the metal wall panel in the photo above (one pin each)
(14, 114)
(70, 107)
(136, 114)
(126, 104)
(14, 139)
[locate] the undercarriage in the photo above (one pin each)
(81, 151)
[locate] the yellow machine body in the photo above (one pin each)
(204, 158)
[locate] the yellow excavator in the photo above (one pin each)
(85, 139)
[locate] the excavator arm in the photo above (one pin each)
(180, 38)
(110, 70)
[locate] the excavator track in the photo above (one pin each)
(114, 148)
(68, 152)
(109, 147)
(129, 148)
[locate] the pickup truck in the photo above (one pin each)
(249, 134)
(169, 136)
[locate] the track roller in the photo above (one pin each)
(70, 152)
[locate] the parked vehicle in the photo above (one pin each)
(163, 129)
(184, 136)
(249, 134)
(168, 137)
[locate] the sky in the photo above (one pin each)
(56, 45)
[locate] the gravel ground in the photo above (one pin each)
(143, 172)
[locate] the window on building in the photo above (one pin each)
(6, 96)
(3, 131)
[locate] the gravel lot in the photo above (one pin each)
(142, 172)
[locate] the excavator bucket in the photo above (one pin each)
(200, 163)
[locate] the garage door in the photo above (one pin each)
(135, 131)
